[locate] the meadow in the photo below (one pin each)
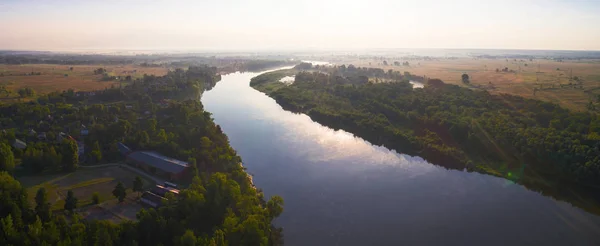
(84, 182)
(53, 77)
(570, 83)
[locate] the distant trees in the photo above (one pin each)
(100, 71)
(26, 92)
(70, 201)
(465, 78)
(119, 192)
(7, 159)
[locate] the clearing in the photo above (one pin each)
(84, 182)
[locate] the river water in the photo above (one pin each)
(341, 190)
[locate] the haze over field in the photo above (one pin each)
(293, 25)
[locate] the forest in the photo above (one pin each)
(220, 205)
(539, 144)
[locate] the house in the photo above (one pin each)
(158, 164)
(32, 132)
(18, 144)
(61, 136)
(123, 149)
(152, 199)
(84, 132)
(42, 136)
(163, 190)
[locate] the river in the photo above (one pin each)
(341, 190)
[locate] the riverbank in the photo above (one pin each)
(441, 142)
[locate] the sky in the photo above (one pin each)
(246, 25)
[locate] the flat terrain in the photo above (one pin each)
(84, 182)
(60, 77)
(551, 78)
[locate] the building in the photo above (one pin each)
(18, 144)
(152, 199)
(123, 149)
(155, 163)
(163, 190)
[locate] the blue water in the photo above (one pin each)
(341, 190)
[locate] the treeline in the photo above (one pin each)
(221, 206)
(358, 75)
(526, 140)
(212, 211)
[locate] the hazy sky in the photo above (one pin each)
(299, 24)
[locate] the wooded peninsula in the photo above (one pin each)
(541, 145)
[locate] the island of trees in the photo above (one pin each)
(539, 144)
(218, 206)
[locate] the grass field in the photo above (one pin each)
(545, 75)
(52, 78)
(83, 183)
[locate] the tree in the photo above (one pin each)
(96, 152)
(119, 192)
(70, 155)
(7, 159)
(42, 207)
(465, 78)
(275, 206)
(188, 239)
(138, 185)
(70, 201)
(194, 164)
(95, 198)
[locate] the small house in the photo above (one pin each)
(18, 144)
(42, 136)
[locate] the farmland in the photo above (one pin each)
(46, 78)
(549, 78)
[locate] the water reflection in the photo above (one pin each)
(341, 190)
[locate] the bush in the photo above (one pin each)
(95, 198)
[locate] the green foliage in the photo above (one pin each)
(70, 201)
(7, 159)
(453, 126)
(95, 198)
(70, 155)
(221, 208)
(42, 206)
(119, 192)
(26, 92)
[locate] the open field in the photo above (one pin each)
(59, 77)
(545, 75)
(83, 183)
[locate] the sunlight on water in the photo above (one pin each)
(341, 190)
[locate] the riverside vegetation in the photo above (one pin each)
(220, 205)
(538, 144)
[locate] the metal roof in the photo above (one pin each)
(159, 161)
(123, 148)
